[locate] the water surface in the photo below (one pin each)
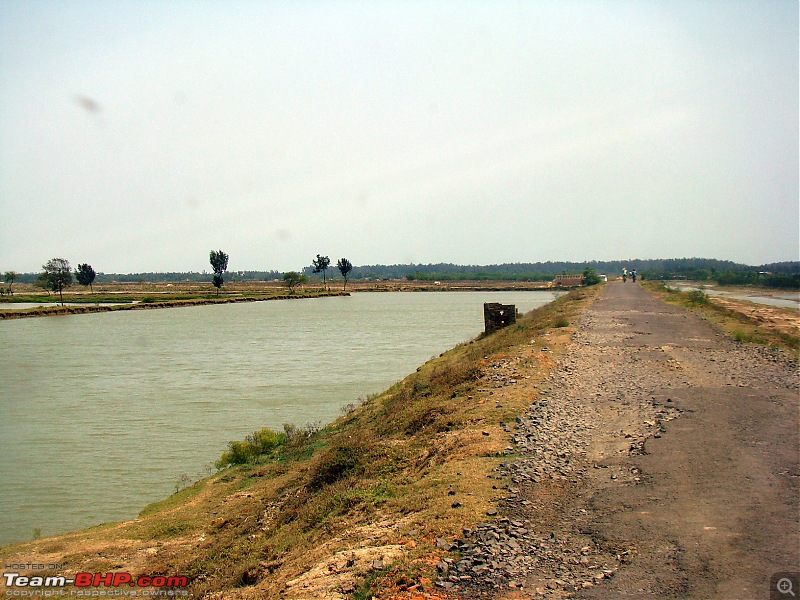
(103, 413)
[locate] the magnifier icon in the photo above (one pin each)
(785, 587)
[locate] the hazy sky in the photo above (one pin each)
(139, 135)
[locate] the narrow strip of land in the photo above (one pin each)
(53, 309)
(661, 461)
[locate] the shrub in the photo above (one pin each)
(590, 276)
(336, 464)
(420, 419)
(292, 434)
(237, 454)
(454, 373)
(264, 441)
(256, 444)
(697, 297)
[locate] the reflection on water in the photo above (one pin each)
(104, 413)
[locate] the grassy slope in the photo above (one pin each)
(383, 482)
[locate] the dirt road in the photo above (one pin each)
(718, 513)
(662, 461)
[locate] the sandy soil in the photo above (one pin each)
(785, 320)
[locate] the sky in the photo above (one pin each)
(138, 135)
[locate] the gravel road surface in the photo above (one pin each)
(661, 460)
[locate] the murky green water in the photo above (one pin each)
(101, 414)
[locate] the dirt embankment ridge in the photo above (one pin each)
(53, 309)
(611, 448)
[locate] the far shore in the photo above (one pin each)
(48, 309)
(146, 295)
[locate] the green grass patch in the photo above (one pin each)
(264, 445)
(163, 530)
(179, 498)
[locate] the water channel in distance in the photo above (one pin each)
(785, 299)
(101, 414)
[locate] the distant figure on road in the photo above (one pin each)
(633, 275)
(624, 274)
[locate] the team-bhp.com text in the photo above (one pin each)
(88, 584)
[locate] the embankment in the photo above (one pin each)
(50, 310)
(373, 491)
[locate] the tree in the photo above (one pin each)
(58, 275)
(590, 276)
(291, 279)
(320, 265)
(41, 282)
(345, 266)
(85, 275)
(219, 262)
(10, 277)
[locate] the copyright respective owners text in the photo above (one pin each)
(32, 580)
(784, 585)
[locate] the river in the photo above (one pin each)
(104, 413)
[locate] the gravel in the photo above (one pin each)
(606, 398)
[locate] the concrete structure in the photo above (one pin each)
(567, 281)
(497, 315)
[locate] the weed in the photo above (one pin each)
(697, 298)
(452, 374)
(421, 418)
(182, 482)
(256, 444)
(312, 428)
(164, 530)
(369, 585)
(336, 464)
(561, 322)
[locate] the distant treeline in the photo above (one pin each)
(775, 280)
(785, 274)
(779, 275)
(482, 275)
